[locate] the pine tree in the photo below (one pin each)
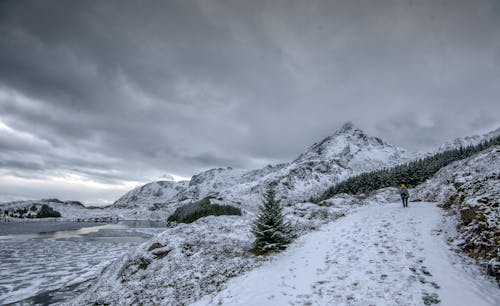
(271, 232)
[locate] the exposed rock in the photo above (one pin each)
(155, 245)
(467, 214)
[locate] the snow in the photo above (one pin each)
(349, 151)
(155, 192)
(177, 266)
(198, 258)
(471, 185)
(377, 255)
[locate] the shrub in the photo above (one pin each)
(194, 211)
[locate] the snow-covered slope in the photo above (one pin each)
(470, 190)
(377, 255)
(188, 261)
(149, 194)
(347, 152)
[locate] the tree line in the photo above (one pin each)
(412, 173)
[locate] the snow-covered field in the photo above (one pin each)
(33, 264)
(380, 254)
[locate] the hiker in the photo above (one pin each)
(403, 192)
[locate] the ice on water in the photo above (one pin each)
(30, 266)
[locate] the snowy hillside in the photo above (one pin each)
(365, 259)
(188, 261)
(347, 152)
(149, 194)
(469, 189)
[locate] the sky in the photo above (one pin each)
(97, 97)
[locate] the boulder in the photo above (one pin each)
(467, 214)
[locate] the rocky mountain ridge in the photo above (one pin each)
(346, 152)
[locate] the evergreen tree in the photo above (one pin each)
(47, 212)
(271, 232)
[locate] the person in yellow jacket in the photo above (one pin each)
(403, 192)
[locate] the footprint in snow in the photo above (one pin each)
(436, 286)
(430, 298)
(425, 271)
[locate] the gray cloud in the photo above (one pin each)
(118, 91)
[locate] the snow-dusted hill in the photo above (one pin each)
(469, 189)
(347, 152)
(151, 193)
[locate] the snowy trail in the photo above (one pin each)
(377, 255)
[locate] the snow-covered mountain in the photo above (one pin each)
(347, 152)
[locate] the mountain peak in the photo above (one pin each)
(346, 141)
(348, 128)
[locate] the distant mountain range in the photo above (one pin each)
(347, 152)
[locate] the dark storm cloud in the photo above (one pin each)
(128, 90)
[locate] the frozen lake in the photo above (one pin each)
(47, 262)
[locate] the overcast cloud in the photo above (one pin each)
(99, 96)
